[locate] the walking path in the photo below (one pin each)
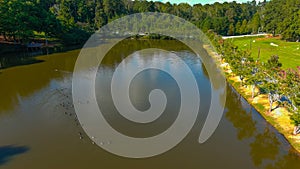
(241, 36)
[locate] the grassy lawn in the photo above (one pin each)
(288, 52)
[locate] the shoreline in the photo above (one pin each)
(278, 118)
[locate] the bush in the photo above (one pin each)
(295, 118)
(75, 36)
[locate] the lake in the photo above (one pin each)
(39, 128)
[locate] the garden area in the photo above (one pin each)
(266, 72)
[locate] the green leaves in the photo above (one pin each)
(295, 118)
(273, 63)
(285, 22)
(19, 19)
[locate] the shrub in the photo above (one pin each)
(295, 118)
(75, 36)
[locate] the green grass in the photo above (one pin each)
(288, 52)
(260, 107)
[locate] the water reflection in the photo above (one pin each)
(6, 62)
(268, 149)
(115, 56)
(36, 110)
(290, 160)
(239, 116)
(20, 82)
(264, 147)
(27, 56)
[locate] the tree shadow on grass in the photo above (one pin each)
(8, 152)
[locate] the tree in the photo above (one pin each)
(143, 6)
(206, 24)
(183, 10)
(244, 27)
(198, 13)
(113, 8)
(19, 19)
(231, 29)
(273, 63)
(289, 27)
(238, 27)
(64, 13)
(285, 22)
(219, 25)
(295, 119)
(100, 16)
(255, 23)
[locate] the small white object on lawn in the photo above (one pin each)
(273, 44)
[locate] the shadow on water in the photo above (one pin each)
(28, 57)
(24, 81)
(263, 142)
(19, 58)
(6, 62)
(268, 148)
(240, 118)
(7, 152)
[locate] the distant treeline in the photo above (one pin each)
(72, 21)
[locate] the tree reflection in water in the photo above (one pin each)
(265, 146)
(241, 120)
(266, 150)
(291, 160)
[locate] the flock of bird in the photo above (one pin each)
(68, 108)
(66, 104)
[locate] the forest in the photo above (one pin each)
(73, 21)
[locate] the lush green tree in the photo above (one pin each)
(64, 13)
(279, 21)
(295, 119)
(183, 10)
(198, 13)
(100, 16)
(113, 8)
(255, 23)
(238, 27)
(143, 6)
(231, 30)
(163, 7)
(290, 26)
(244, 27)
(20, 19)
(206, 24)
(273, 63)
(220, 25)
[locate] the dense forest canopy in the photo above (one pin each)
(72, 21)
